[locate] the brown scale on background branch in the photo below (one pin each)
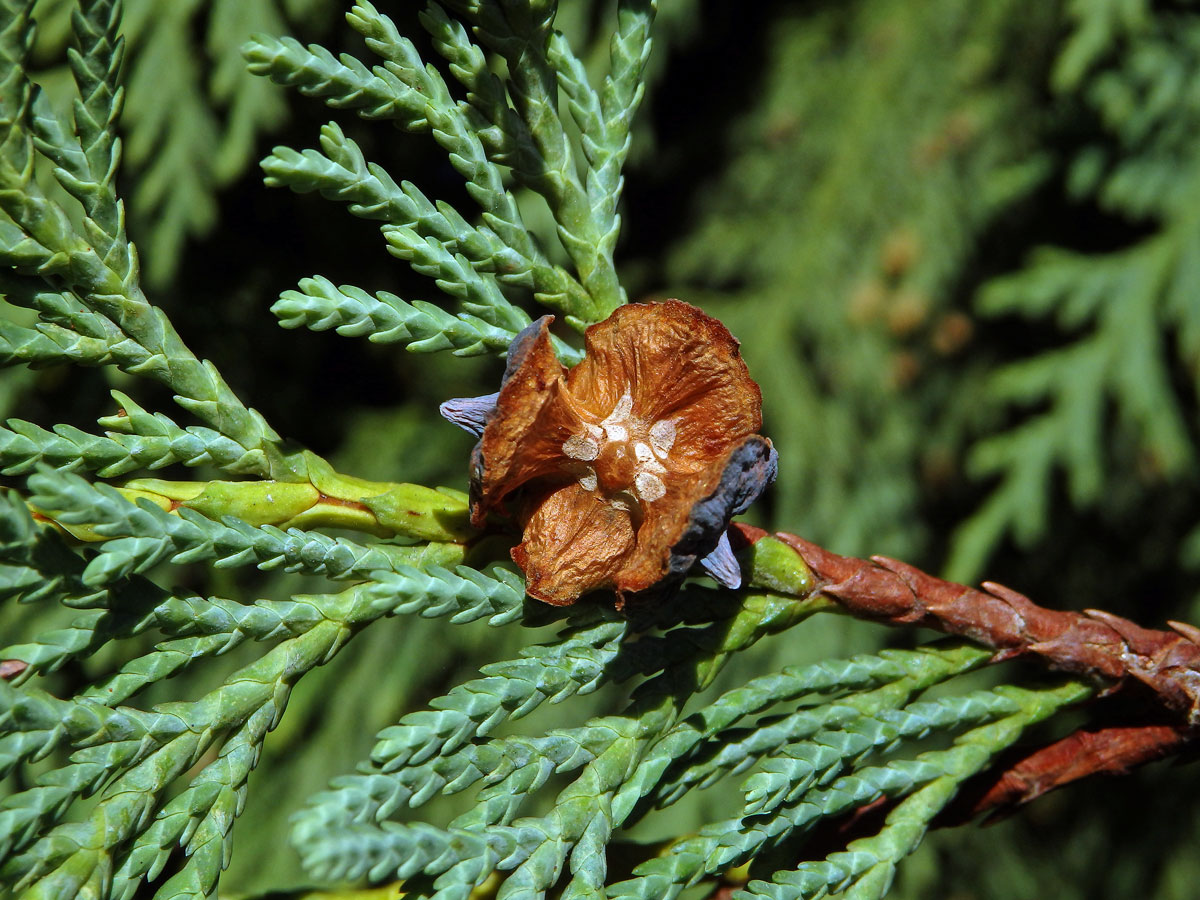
(1020, 776)
(1101, 751)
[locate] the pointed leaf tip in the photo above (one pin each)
(470, 413)
(722, 565)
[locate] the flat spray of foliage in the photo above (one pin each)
(130, 785)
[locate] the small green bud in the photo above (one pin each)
(774, 565)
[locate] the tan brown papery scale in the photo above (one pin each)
(560, 452)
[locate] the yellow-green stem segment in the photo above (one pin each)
(327, 499)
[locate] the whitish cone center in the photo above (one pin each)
(622, 457)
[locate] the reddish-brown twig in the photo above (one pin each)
(1091, 643)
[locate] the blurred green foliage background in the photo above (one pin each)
(960, 244)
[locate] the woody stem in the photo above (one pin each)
(1108, 648)
(1092, 643)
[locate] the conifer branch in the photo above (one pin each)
(417, 97)
(1112, 750)
(797, 766)
(867, 865)
(98, 266)
(417, 231)
(534, 848)
(506, 137)
(24, 446)
(468, 264)
(34, 564)
(213, 626)
(342, 81)
(159, 746)
(136, 439)
(724, 845)
(820, 742)
(575, 663)
(199, 820)
(205, 627)
(126, 613)
(418, 100)
(609, 778)
(194, 117)
(51, 344)
(87, 164)
(1124, 319)
(455, 130)
(108, 740)
(153, 440)
(701, 752)
(481, 134)
(52, 865)
(1092, 643)
(138, 536)
(522, 37)
(1121, 360)
(464, 595)
(406, 752)
(502, 131)
(604, 118)
(384, 318)
(325, 499)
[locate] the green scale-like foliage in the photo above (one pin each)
(103, 317)
(139, 440)
(75, 268)
(194, 113)
(622, 761)
(469, 263)
(1128, 317)
(850, 206)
